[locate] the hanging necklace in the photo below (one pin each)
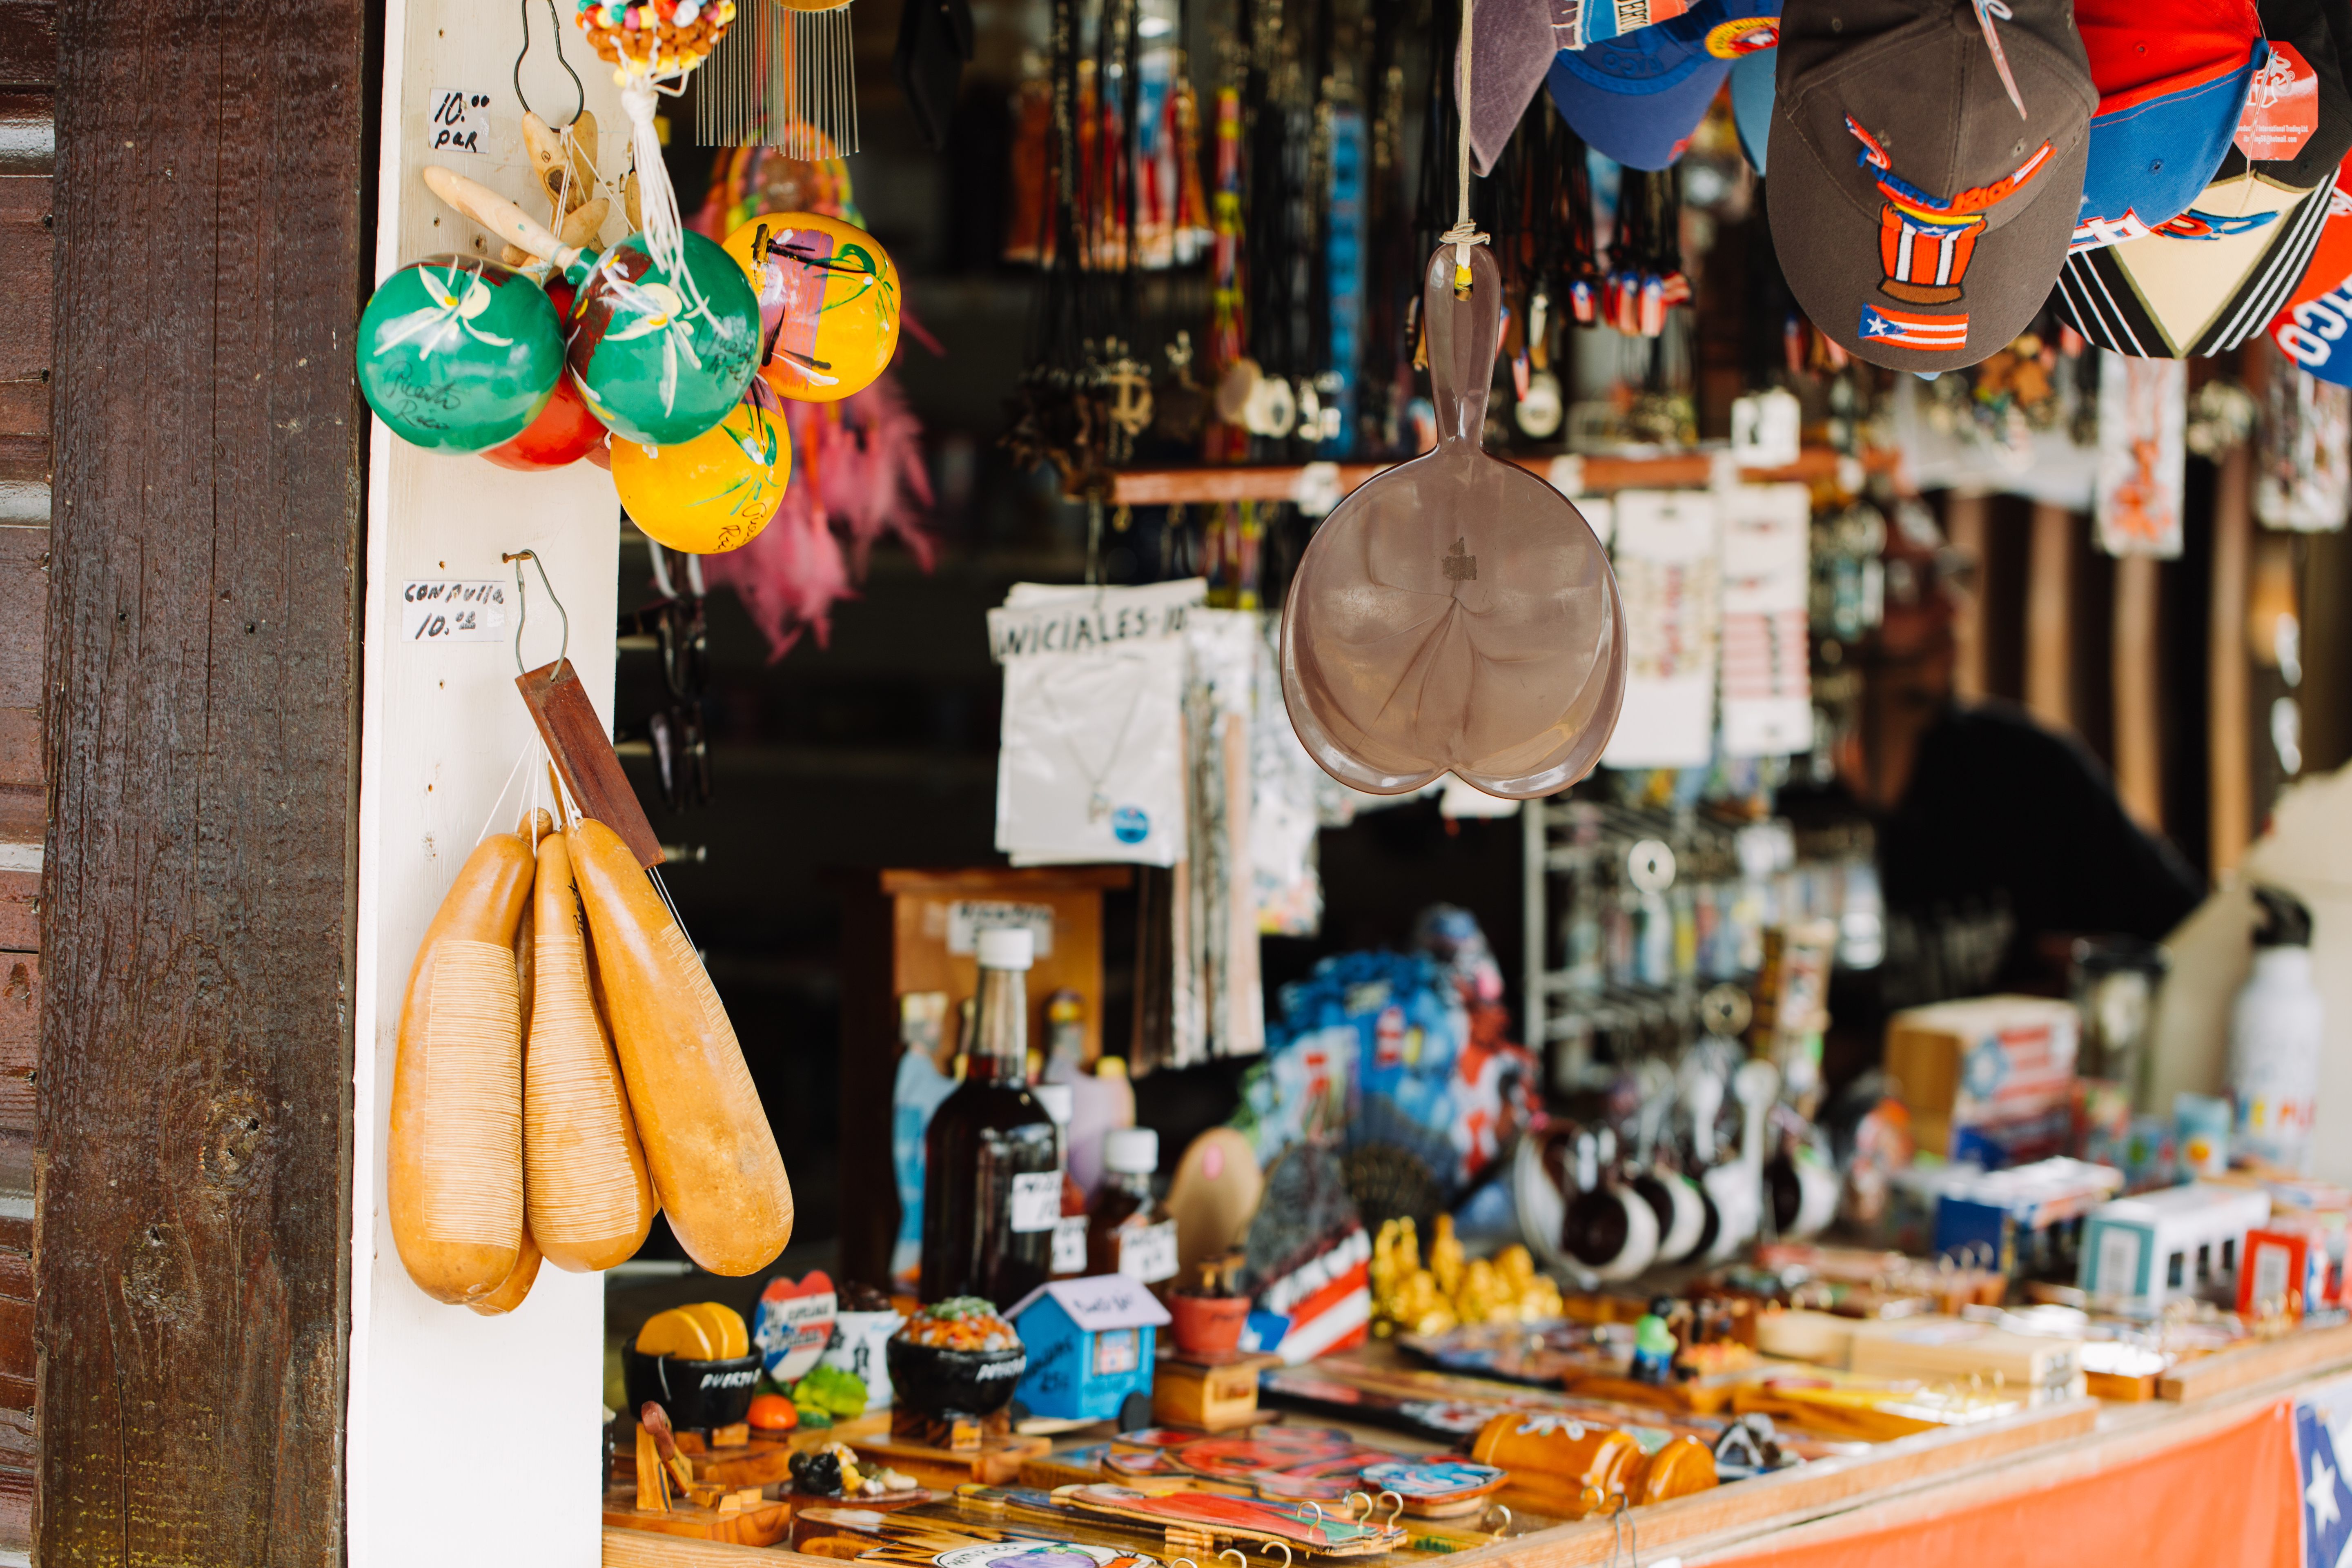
(1097, 802)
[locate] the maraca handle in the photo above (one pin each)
(505, 220)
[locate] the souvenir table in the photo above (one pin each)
(2076, 1482)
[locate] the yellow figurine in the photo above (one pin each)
(1452, 1290)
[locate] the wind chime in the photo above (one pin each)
(787, 81)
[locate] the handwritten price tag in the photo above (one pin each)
(454, 612)
(460, 119)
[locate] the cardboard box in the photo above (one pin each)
(1991, 1079)
(1937, 1349)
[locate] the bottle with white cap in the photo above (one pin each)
(993, 1169)
(1070, 1231)
(1127, 1231)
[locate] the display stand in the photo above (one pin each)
(1977, 1486)
(1324, 483)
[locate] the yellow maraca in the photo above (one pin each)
(713, 493)
(828, 303)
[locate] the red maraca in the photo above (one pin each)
(564, 432)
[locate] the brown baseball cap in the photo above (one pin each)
(1920, 217)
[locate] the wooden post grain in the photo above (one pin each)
(2139, 764)
(2230, 784)
(198, 900)
(2049, 606)
(1965, 527)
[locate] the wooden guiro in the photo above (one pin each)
(589, 1200)
(454, 1171)
(708, 1145)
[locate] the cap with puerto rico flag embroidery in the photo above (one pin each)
(2172, 76)
(2215, 275)
(1637, 98)
(1926, 161)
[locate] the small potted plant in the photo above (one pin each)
(1210, 1312)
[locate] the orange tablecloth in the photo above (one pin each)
(2224, 1499)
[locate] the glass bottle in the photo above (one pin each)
(1127, 1231)
(992, 1163)
(1070, 1230)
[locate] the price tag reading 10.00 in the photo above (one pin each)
(454, 612)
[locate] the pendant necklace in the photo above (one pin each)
(1097, 802)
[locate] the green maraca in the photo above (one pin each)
(660, 352)
(457, 353)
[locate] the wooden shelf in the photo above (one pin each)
(1574, 475)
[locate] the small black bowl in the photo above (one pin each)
(698, 1395)
(933, 1379)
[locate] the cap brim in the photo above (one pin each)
(2009, 274)
(1751, 103)
(1640, 128)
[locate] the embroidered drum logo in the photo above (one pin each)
(1924, 242)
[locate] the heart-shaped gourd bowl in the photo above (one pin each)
(1455, 614)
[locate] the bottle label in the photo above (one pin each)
(1070, 1244)
(1148, 1252)
(1036, 1201)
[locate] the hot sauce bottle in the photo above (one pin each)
(992, 1158)
(1127, 1231)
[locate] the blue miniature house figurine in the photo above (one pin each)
(1090, 1345)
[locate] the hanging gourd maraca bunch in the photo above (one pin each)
(457, 353)
(828, 303)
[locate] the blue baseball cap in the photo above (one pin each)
(2173, 77)
(1637, 98)
(1751, 103)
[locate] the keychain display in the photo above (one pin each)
(828, 303)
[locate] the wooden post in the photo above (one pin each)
(198, 899)
(2049, 603)
(2229, 785)
(2139, 767)
(29, 64)
(1964, 526)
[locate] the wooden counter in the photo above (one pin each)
(1929, 1474)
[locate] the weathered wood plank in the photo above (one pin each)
(28, 43)
(195, 1062)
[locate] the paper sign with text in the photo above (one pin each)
(454, 612)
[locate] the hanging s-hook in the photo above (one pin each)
(556, 23)
(1236, 1553)
(1505, 1510)
(522, 605)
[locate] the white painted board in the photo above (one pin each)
(441, 729)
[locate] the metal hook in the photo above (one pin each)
(1368, 1506)
(1319, 1511)
(556, 23)
(1236, 1553)
(1505, 1510)
(1265, 1550)
(522, 605)
(1395, 1513)
(1597, 1496)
